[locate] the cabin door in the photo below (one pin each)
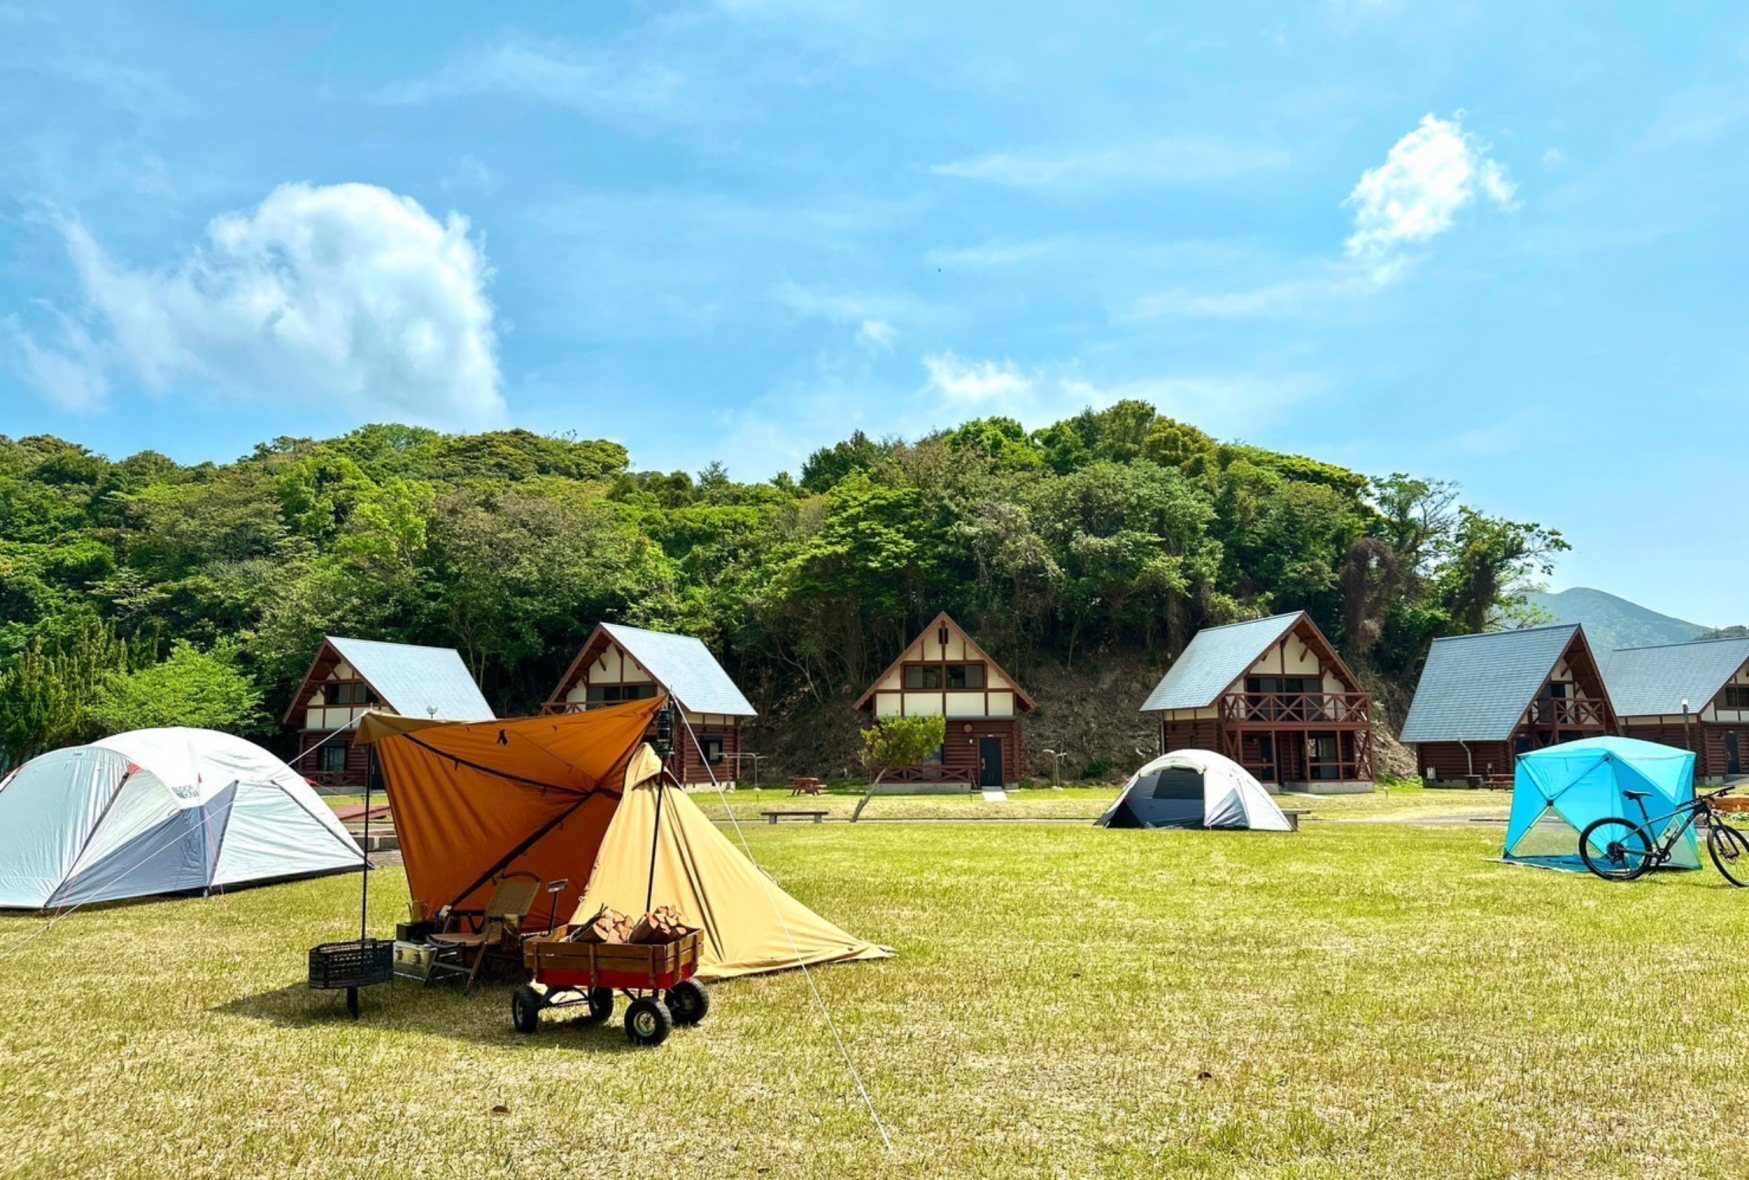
(990, 762)
(1733, 763)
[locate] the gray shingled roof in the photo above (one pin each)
(414, 680)
(1215, 658)
(1644, 681)
(1476, 687)
(685, 667)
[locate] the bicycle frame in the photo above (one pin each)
(1690, 813)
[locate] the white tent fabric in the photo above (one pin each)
(1196, 789)
(159, 811)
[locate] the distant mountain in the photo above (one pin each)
(1612, 622)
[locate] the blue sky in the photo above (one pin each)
(1502, 244)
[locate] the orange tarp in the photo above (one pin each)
(473, 802)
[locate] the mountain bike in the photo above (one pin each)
(1618, 849)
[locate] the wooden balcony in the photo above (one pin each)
(1567, 713)
(1288, 710)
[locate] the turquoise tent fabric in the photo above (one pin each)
(1560, 791)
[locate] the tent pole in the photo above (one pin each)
(364, 876)
(655, 839)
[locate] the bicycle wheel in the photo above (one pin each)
(1729, 849)
(1616, 849)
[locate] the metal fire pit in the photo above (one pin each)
(352, 965)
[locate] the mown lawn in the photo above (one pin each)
(1357, 999)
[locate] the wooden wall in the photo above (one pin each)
(1451, 764)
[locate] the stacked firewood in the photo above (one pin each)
(661, 925)
(608, 925)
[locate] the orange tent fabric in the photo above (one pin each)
(473, 802)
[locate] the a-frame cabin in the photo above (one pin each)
(1485, 699)
(1693, 696)
(620, 663)
(349, 677)
(943, 672)
(1273, 695)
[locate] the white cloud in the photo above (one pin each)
(877, 335)
(1186, 160)
(962, 382)
(347, 297)
(1428, 177)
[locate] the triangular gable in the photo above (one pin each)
(1476, 688)
(411, 679)
(679, 665)
(1653, 681)
(1217, 657)
(1020, 694)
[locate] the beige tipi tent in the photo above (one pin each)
(750, 925)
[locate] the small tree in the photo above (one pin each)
(896, 742)
(202, 690)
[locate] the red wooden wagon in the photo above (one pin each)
(657, 978)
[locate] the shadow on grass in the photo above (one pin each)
(408, 1007)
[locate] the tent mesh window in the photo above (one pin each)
(1550, 838)
(1177, 782)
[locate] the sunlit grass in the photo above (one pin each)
(1356, 999)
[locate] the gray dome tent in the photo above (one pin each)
(1194, 789)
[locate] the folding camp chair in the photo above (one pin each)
(500, 928)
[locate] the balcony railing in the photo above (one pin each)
(1568, 713)
(932, 773)
(1297, 708)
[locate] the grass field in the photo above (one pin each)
(1358, 999)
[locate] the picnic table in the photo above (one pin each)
(771, 817)
(804, 786)
(1293, 816)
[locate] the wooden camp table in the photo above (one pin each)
(805, 786)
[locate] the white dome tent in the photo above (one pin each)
(160, 811)
(1194, 789)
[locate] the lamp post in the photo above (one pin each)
(1686, 743)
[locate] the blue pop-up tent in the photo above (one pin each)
(1558, 792)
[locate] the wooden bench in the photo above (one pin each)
(1293, 816)
(804, 786)
(771, 817)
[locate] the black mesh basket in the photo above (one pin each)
(335, 965)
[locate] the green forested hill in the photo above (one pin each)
(143, 591)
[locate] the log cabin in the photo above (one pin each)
(1693, 696)
(620, 663)
(1485, 699)
(349, 677)
(1272, 695)
(943, 672)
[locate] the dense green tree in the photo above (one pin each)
(201, 690)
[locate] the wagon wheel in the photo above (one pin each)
(688, 1002)
(648, 1022)
(525, 1009)
(600, 1005)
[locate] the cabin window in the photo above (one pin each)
(1737, 698)
(1323, 754)
(613, 694)
(935, 759)
(331, 759)
(354, 693)
(929, 676)
(965, 676)
(1283, 684)
(713, 748)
